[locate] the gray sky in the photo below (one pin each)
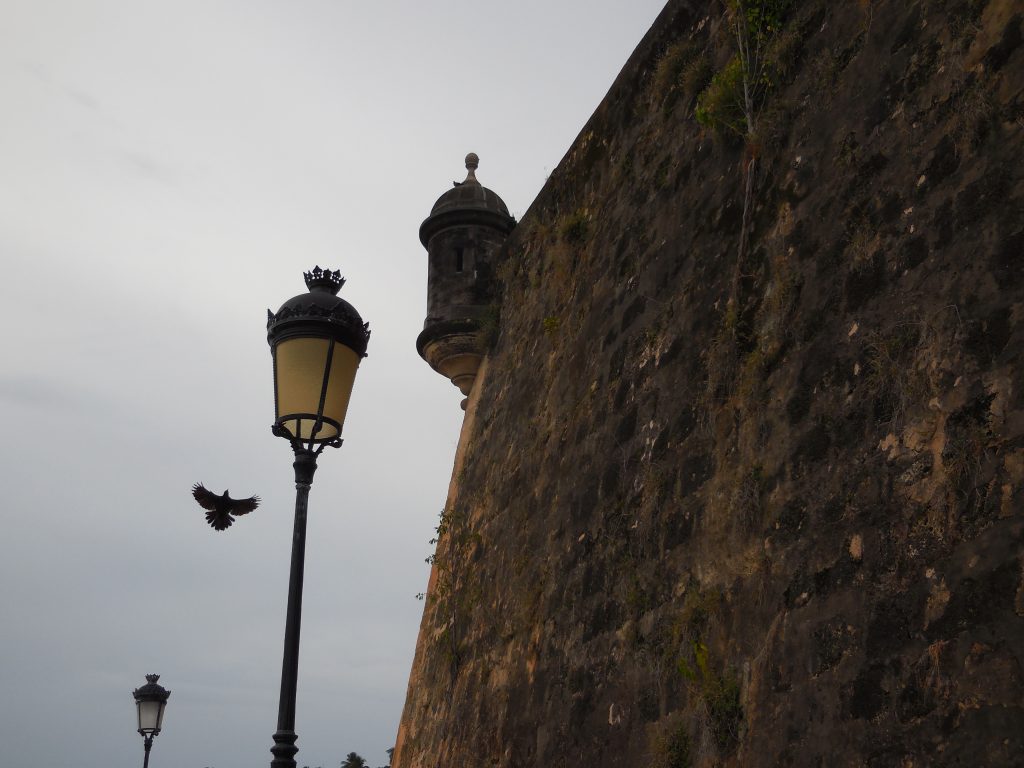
(167, 171)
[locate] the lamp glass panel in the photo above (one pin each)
(339, 388)
(149, 715)
(300, 367)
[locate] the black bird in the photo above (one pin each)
(222, 510)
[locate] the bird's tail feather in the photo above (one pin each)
(219, 520)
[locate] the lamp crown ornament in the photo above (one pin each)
(152, 678)
(324, 279)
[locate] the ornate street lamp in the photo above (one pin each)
(150, 701)
(317, 341)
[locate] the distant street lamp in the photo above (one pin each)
(317, 341)
(150, 701)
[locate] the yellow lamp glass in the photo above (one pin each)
(300, 365)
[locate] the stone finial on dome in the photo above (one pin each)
(472, 163)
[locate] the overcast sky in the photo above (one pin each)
(167, 172)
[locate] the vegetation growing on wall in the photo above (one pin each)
(682, 72)
(575, 227)
(490, 326)
(735, 97)
(672, 746)
(453, 597)
(720, 106)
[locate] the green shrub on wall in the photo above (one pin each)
(720, 105)
(672, 747)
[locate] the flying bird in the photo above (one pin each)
(222, 510)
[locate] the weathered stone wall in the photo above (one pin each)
(761, 510)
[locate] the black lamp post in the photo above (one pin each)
(317, 341)
(150, 701)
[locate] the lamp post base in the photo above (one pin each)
(284, 750)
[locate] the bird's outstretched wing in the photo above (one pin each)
(206, 499)
(244, 506)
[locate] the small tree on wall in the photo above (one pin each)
(733, 101)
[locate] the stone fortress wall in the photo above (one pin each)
(740, 481)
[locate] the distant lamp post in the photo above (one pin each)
(317, 341)
(150, 701)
